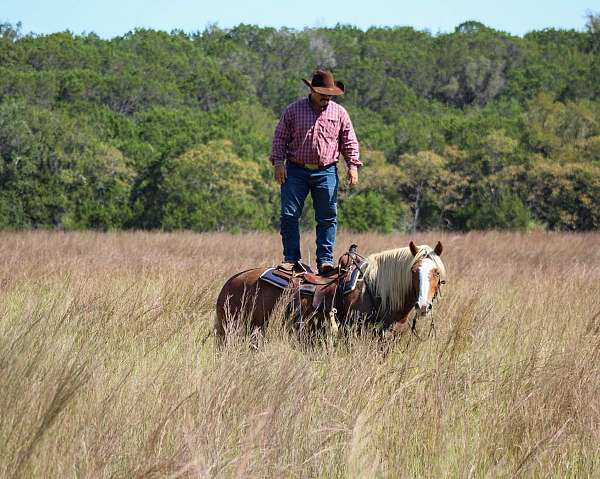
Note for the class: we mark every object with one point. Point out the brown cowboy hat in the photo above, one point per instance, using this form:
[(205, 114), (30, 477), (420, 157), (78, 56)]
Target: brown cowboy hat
[(324, 83)]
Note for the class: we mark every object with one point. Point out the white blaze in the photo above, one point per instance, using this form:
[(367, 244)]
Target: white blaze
[(426, 266)]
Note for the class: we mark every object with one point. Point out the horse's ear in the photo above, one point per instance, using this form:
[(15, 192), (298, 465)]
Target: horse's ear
[(413, 249), (438, 248)]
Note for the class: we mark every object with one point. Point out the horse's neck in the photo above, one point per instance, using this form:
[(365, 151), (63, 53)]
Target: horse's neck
[(387, 316), (394, 317)]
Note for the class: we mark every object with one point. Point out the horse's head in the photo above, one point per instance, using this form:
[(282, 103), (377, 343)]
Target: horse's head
[(428, 274)]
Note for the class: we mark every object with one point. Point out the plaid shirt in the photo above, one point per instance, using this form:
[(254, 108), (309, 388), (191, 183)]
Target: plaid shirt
[(304, 137)]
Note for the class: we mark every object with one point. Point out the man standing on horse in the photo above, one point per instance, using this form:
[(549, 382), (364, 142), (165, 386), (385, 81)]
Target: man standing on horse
[(308, 139)]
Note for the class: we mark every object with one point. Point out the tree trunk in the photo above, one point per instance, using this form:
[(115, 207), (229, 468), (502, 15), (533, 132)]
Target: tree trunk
[(417, 207)]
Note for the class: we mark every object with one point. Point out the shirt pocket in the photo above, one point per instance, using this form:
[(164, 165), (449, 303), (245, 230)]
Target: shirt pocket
[(331, 129)]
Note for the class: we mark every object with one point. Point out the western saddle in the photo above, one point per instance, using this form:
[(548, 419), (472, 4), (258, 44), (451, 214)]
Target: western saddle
[(327, 290)]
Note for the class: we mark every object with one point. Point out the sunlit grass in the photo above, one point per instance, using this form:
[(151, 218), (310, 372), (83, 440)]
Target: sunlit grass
[(107, 368)]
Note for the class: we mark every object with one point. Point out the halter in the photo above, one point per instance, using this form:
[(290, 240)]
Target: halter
[(436, 261), (438, 291)]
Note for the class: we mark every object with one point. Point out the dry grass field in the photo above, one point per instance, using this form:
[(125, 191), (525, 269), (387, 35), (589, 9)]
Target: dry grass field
[(105, 369)]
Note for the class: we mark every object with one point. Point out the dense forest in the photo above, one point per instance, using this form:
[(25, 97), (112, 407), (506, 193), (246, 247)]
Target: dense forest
[(473, 129)]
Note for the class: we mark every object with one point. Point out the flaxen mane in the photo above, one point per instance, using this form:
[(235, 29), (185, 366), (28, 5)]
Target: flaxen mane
[(389, 274)]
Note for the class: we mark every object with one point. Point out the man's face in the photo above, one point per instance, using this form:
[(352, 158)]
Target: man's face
[(320, 99)]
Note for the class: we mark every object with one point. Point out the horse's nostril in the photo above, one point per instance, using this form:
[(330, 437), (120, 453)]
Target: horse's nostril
[(429, 306)]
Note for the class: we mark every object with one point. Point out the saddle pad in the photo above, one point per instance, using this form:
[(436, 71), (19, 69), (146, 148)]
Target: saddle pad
[(270, 277)]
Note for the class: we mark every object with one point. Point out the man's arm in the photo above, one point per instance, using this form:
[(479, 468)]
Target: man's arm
[(350, 149), (281, 140)]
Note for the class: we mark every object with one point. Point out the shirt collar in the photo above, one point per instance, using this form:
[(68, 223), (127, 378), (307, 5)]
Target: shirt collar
[(327, 112)]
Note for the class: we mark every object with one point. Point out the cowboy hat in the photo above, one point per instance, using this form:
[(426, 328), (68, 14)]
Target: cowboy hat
[(324, 83)]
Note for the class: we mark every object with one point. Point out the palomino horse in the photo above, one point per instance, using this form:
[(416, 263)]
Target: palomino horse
[(390, 285)]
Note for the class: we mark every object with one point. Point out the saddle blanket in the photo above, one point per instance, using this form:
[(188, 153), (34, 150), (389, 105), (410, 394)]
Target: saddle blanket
[(270, 277)]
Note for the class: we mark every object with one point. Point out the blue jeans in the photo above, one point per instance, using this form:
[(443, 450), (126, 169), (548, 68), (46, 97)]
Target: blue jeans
[(323, 187)]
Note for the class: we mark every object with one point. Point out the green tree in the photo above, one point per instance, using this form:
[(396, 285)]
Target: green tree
[(427, 177), (473, 63), (371, 211), (211, 188), (495, 209), (54, 173), (563, 197)]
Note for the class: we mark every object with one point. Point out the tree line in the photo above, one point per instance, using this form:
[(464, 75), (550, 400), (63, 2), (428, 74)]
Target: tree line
[(472, 129)]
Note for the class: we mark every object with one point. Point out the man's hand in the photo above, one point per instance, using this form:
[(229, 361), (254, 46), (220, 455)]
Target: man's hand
[(352, 177), (280, 174)]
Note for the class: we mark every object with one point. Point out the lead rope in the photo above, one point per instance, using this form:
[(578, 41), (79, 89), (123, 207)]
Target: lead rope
[(413, 327), (432, 328), (438, 295)]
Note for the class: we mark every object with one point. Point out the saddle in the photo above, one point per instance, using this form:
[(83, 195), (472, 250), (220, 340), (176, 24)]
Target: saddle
[(326, 290)]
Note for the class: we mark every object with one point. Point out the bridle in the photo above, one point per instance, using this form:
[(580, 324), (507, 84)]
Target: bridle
[(441, 280)]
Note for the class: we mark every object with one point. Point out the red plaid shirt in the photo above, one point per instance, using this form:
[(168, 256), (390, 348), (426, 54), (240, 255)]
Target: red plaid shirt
[(304, 137)]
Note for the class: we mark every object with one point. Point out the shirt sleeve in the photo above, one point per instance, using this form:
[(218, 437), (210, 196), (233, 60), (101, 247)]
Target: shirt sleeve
[(349, 143), (281, 139)]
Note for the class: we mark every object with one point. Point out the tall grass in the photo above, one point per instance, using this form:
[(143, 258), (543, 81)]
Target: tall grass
[(107, 370)]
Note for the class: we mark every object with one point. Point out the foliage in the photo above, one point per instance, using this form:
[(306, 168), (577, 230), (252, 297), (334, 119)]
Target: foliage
[(54, 173), (470, 129), (371, 211), (495, 210), (210, 188), (562, 196)]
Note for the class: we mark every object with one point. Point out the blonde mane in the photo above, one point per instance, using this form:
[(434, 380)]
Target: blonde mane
[(389, 274)]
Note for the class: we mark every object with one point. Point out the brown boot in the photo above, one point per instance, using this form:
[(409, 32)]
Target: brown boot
[(325, 268), (287, 266)]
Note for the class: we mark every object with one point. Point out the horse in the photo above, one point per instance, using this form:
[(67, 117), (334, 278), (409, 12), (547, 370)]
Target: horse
[(389, 286)]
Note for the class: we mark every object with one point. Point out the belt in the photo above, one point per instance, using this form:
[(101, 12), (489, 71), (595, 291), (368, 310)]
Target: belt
[(308, 166)]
